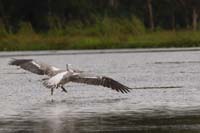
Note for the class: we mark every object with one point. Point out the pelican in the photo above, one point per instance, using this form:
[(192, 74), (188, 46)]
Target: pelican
[(58, 78)]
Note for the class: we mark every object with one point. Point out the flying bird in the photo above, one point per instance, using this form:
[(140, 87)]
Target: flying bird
[(57, 77)]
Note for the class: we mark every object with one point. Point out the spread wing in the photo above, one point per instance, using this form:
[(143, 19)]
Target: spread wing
[(102, 81), (35, 67)]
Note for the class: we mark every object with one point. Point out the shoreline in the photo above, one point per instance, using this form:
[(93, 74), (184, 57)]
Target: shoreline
[(99, 51)]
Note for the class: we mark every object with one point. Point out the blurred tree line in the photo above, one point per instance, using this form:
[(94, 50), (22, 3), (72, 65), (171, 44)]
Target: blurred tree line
[(45, 14)]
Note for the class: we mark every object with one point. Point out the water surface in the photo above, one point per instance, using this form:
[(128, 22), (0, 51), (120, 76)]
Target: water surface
[(26, 106)]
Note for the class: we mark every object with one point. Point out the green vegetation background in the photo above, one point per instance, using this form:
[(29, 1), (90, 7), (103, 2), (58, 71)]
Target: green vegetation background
[(103, 24), (107, 34)]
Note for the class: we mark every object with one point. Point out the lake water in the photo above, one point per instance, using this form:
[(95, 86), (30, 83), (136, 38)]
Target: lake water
[(27, 106)]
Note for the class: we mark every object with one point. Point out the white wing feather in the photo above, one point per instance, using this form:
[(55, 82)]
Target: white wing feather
[(55, 80)]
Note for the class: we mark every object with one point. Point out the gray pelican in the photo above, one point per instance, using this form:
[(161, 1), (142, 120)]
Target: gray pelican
[(58, 77)]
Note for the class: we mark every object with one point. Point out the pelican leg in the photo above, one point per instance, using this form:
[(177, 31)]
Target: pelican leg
[(44, 79), (63, 89), (52, 91)]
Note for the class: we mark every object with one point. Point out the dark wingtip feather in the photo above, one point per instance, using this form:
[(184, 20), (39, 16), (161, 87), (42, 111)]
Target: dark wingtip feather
[(115, 85), (126, 90), (18, 62), (12, 61)]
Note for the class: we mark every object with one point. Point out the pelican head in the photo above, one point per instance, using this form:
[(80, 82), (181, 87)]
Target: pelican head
[(67, 66)]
